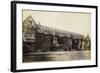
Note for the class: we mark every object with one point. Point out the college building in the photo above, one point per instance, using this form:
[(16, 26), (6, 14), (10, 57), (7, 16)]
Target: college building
[(39, 38)]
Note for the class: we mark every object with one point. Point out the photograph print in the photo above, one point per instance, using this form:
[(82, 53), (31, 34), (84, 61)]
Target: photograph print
[(47, 36), (56, 36)]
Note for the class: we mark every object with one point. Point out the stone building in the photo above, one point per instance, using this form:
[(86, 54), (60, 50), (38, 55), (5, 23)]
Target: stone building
[(38, 38)]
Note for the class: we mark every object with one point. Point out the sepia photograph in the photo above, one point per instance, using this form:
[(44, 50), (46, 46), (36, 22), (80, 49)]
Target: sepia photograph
[(56, 36), (48, 36)]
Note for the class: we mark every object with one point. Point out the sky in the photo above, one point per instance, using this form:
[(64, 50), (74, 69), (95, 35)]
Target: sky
[(68, 21)]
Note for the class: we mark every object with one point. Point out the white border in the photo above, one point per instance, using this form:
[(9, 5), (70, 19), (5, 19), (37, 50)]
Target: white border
[(35, 65)]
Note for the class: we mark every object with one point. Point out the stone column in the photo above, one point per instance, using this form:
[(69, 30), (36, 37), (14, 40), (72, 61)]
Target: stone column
[(83, 42), (70, 44)]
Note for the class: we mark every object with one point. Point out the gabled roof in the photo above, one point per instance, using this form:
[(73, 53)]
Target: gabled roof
[(29, 18), (53, 31)]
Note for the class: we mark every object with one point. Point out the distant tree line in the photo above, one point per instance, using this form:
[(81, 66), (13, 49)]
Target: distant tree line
[(87, 43)]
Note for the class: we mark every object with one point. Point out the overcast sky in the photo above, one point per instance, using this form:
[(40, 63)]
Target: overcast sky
[(69, 21)]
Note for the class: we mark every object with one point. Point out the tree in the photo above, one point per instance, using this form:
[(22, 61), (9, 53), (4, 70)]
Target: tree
[(87, 45)]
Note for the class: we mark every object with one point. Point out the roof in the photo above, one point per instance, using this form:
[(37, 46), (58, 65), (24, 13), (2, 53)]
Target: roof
[(53, 31)]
